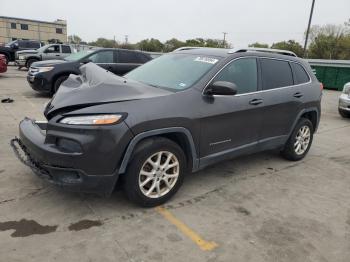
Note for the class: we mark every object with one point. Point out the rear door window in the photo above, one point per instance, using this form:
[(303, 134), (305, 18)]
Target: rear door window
[(33, 45), (128, 57), (300, 75), (22, 44), (243, 73), (275, 73), (66, 49)]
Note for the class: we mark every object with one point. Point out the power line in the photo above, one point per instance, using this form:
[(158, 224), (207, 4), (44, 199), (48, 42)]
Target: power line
[(224, 42), (308, 27)]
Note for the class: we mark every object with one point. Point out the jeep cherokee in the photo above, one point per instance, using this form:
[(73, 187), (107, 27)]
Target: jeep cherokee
[(175, 114)]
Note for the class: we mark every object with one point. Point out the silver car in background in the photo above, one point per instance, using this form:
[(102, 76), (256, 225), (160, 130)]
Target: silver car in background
[(344, 101)]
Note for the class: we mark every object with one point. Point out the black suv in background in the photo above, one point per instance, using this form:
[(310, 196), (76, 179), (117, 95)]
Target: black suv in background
[(176, 114), (10, 49), (47, 76)]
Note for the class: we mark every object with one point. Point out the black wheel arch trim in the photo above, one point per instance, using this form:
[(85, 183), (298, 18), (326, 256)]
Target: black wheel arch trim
[(155, 132), (303, 111)]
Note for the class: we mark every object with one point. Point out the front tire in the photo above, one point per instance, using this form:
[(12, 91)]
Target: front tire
[(155, 172), (299, 143), (344, 113), (30, 62), (58, 83)]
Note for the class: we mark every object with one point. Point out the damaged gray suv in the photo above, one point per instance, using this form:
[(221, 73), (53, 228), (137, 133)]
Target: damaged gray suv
[(176, 114)]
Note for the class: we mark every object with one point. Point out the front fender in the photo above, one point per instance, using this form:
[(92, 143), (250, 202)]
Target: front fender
[(155, 132)]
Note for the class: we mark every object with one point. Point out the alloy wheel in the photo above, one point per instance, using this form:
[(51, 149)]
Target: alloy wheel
[(302, 140), (159, 174)]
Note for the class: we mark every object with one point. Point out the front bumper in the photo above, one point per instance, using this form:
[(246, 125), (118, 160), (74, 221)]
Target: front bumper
[(85, 170), (344, 102), (39, 83), (21, 63)]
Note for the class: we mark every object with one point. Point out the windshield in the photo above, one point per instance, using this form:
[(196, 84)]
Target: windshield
[(42, 49), (11, 43), (77, 56), (173, 71)]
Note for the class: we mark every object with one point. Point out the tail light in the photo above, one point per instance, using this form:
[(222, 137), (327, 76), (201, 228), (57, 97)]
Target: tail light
[(321, 86)]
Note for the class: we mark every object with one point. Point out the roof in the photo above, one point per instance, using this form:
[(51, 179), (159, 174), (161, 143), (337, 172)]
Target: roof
[(36, 21), (264, 50), (222, 52)]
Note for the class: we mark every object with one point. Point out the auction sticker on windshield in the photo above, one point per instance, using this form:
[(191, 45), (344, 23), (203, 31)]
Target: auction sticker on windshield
[(204, 59)]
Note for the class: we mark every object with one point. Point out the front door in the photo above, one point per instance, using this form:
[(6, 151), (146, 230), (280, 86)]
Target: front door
[(232, 123), (52, 52)]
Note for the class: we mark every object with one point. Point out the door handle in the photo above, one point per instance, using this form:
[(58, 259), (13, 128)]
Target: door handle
[(255, 102), (298, 95)]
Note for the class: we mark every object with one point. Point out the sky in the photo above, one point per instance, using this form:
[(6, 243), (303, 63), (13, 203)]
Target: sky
[(249, 21)]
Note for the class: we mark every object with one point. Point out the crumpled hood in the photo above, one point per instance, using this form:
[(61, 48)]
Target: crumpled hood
[(96, 86)]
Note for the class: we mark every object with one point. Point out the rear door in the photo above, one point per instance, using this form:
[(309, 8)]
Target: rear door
[(127, 61), (65, 51), (233, 122), (282, 99)]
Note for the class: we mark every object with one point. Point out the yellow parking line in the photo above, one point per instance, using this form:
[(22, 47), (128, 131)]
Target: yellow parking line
[(204, 245)]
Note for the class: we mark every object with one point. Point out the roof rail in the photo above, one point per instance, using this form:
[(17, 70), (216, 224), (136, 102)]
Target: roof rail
[(187, 48), (266, 50)]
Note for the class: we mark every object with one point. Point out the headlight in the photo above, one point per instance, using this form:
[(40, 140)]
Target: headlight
[(44, 69), (91, 120), (346, 89)]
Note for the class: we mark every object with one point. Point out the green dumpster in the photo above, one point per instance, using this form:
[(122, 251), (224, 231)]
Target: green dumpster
[(332, 73)]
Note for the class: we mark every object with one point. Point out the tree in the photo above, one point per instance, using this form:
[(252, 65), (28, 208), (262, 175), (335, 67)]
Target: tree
[(290, 45), (74, 39), (330, 41), (151, 45), (103, 42), (259, 45), (127, 46), (209, 42), (173, 44)]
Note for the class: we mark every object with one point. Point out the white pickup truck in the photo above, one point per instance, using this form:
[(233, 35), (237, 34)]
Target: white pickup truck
[(48, 52)]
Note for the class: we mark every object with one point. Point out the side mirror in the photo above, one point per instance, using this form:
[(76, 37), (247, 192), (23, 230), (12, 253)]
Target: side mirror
[(14, 46), (86, 60), (222, 88)]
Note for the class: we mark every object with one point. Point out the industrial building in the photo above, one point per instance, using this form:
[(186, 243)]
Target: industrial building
[(12, 28)]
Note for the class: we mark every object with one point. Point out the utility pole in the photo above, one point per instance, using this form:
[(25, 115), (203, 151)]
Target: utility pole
[(224, 42), (126, 39), (308, 27)]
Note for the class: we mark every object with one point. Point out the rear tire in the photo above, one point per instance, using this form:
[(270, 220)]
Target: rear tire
[(30, 62), (7, 59), (58, 83), (299, 142), (155, 172), (344, 113)]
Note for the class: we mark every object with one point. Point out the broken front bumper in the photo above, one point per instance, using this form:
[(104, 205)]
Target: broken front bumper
[(55, 165)]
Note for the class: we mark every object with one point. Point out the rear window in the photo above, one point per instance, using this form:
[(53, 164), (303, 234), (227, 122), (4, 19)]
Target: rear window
[(300, 75), (276, 73)]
